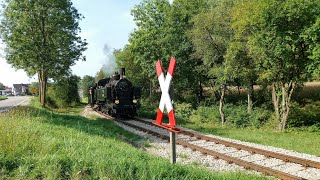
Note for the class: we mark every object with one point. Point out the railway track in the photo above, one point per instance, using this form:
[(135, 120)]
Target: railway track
[(232, 152), (284, 157)]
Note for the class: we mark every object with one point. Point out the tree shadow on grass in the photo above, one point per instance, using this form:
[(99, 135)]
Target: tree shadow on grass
[(103, 127), (99, 126)]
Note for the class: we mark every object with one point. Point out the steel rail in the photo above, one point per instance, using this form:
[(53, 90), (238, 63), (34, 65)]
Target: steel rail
[(284, 157), (229, 159), (217, 155)]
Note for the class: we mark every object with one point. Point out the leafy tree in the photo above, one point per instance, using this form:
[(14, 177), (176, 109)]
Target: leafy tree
[(64, 93), (241, 68), (312, 38), (161, 33), (211, 36), (2, 87), (188, 77), (42, 37), (277, 33), (149, 40), (125, 58), (100, 75), (86, 82)]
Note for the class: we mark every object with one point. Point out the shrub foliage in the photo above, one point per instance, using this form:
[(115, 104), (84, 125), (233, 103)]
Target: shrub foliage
[(64, 93)]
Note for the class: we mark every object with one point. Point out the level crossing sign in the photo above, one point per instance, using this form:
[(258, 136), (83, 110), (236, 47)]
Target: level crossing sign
[(165, 101)]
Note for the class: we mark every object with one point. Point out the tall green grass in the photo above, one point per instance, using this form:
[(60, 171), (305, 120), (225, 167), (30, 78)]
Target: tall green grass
[(38, 144)]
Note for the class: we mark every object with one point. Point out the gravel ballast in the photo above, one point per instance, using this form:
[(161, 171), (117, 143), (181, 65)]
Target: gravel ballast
[(159, 147)]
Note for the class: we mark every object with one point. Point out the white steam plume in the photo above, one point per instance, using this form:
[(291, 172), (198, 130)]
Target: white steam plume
[(110, 60)]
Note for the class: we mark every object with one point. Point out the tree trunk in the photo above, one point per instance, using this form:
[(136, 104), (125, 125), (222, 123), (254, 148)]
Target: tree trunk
[(43, 88), (284, 107), (249, 102), (200, 92), (39, 87), (275, 101), (250, 97), (150, 89), (286, 98), (221, 104)]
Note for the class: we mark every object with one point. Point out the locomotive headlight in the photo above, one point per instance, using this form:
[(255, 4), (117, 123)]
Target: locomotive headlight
[(117, 101), (134, 101)]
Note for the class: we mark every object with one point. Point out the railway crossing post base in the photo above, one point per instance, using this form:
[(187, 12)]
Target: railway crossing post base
[(172, 147), (167, 127)]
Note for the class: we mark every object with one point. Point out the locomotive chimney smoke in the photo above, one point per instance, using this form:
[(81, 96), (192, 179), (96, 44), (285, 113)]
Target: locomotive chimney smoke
[(122, 73), (109, 60)]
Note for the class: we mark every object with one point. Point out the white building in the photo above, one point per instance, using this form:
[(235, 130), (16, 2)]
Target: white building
[(5, 92), (20, 89)]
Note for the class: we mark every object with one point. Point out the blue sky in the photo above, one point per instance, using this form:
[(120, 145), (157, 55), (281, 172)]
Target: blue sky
[(107, 22)]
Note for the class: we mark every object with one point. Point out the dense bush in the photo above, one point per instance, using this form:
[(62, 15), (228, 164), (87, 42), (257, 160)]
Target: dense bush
[(64, 93), (307, 115), (236, 115), (259, 117), (149, 107), (205, 114), (183, 110)]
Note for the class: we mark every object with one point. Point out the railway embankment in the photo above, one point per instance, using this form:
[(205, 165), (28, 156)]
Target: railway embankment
[(218, 153), (207, 120), (37, 143)]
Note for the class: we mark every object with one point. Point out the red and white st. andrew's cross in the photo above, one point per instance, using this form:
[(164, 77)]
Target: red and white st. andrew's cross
[(165, 101)]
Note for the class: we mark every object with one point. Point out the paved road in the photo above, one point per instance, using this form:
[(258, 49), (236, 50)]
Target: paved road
[(12, 101)]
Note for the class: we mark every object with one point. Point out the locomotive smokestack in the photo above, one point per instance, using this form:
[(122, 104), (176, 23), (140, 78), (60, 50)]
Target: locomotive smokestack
[(122, 73)]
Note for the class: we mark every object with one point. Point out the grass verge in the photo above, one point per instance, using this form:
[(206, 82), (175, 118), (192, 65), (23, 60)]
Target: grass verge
[(300, 141), (3, 98), (84, 100), (74, 110), (39, 144)]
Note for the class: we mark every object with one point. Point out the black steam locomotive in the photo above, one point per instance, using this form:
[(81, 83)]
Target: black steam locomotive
[(115, 96)]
